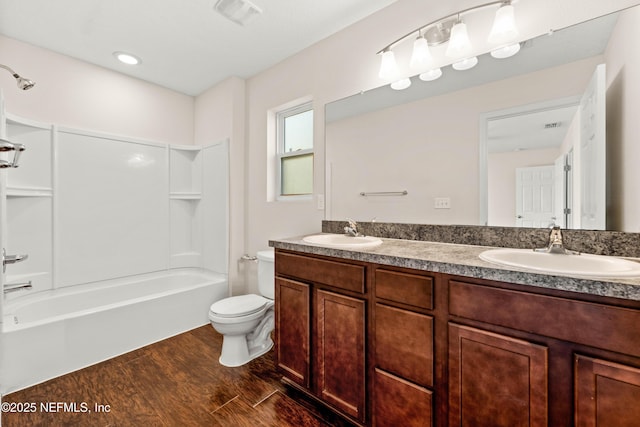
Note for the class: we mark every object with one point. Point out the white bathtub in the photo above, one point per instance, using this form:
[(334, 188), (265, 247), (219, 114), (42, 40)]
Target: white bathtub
[(52, 333)]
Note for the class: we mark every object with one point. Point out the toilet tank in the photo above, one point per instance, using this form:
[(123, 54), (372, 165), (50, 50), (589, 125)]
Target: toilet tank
[(266, 281)]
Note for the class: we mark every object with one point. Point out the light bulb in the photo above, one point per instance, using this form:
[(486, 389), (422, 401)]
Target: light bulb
[(465, 64), (401, 84), (421, 57), (506, 51), (504, 28), (127, 58), (431, 75), (459, 43), (388, 66)]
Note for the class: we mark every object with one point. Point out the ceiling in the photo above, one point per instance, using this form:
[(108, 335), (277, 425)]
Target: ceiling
[(185, 45), (532, 130)]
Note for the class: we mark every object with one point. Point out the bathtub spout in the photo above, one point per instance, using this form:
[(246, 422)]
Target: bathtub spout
[(13, 287)]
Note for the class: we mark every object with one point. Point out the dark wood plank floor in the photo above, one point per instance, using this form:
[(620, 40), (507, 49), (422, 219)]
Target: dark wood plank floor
[(176, 382)]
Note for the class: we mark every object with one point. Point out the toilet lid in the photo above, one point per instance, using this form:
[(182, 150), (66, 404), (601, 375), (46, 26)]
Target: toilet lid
[(241, 305)]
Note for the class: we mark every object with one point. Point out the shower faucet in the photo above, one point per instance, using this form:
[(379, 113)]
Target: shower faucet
[(6, 146), (13, 287), (24, 84), (11, 259)]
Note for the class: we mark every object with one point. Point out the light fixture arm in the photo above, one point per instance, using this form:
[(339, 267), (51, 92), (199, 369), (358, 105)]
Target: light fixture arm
[(444, 18)]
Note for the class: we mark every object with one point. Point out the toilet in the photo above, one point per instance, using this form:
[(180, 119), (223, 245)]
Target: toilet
[(246, 321)]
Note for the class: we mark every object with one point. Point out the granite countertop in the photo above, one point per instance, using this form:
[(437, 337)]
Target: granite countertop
[(463, 260)]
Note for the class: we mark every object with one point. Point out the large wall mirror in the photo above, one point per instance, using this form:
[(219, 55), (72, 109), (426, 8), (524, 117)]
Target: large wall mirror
[(534, 140)]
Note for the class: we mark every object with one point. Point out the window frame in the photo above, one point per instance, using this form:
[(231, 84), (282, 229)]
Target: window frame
[(281, 116)]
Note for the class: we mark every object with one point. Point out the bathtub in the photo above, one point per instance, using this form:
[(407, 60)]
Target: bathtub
[(52, 333)]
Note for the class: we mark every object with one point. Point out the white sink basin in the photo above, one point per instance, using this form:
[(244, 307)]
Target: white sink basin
[(579, 265), (343, 241)]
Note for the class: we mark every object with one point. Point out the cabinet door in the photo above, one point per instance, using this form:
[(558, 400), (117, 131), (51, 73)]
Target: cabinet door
[(495, 380), (340, 352), (607, 394), (293, 330), (398, 402)]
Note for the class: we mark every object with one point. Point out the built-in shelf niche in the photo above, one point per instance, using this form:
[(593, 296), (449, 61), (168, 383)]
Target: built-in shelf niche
[(29, 205), (185, 194), (185, 166), (33, 175)]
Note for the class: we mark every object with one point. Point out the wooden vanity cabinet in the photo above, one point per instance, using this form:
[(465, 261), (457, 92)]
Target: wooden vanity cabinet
[(320, 330), (389, 346), (525, 357)]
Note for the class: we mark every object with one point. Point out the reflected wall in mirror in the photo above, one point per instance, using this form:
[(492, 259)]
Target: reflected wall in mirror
[(432, 141)]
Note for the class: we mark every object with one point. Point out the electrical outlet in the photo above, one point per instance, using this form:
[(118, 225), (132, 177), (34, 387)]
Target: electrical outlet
[(442, 203), (320, 202)]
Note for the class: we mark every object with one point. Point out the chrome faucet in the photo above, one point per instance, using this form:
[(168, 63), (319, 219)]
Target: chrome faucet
[(352, 228), (556, 245), (13, 287)]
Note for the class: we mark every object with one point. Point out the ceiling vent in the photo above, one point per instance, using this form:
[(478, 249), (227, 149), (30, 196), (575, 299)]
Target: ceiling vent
[(239, 11), (552, 125)]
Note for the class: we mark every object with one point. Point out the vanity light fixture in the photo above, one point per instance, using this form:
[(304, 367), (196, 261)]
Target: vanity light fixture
[(388, 67), (451, 29), (421, 57), (127, 58), (459, 43)]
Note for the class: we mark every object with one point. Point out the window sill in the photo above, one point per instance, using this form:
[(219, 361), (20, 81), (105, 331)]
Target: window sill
[(298, 198)]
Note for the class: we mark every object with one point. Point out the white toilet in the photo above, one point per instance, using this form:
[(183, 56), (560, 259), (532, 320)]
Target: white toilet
[(246, 321)]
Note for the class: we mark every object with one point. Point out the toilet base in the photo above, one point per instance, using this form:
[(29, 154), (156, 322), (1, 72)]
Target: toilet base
[(235, 351)]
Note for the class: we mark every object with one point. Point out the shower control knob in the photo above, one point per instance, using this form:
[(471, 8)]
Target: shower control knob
[(11, 259)]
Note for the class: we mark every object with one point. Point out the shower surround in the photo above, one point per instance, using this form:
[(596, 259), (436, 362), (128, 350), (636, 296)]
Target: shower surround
[(127, 239)]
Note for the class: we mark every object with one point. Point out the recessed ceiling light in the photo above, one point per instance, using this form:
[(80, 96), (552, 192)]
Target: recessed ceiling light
[(127, 58)]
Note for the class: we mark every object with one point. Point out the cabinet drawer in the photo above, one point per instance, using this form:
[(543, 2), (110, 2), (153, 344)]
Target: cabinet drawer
[(410, 289), (404, 344), (332, 273), (597, 325)]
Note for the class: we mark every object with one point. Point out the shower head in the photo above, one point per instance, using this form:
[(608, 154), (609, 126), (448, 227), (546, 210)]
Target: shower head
[(23, 83)]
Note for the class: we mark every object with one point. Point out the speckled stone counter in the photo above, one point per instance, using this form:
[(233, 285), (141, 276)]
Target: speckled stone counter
[(463, 260), (597, 242)]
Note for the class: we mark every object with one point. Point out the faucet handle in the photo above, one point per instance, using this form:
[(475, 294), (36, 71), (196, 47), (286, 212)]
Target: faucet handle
[(352, 223)]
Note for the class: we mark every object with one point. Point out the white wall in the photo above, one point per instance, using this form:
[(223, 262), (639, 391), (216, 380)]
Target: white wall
[(430, 148), (623, 126), (76, 94), (220, 114)]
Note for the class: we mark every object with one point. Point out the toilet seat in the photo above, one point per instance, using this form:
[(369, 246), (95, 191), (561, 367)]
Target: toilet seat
[(239, 306)]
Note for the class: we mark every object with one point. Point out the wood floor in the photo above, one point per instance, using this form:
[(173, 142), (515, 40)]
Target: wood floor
[(176, 382)]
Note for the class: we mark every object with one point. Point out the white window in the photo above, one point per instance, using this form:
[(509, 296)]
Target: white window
[(295, 150)]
